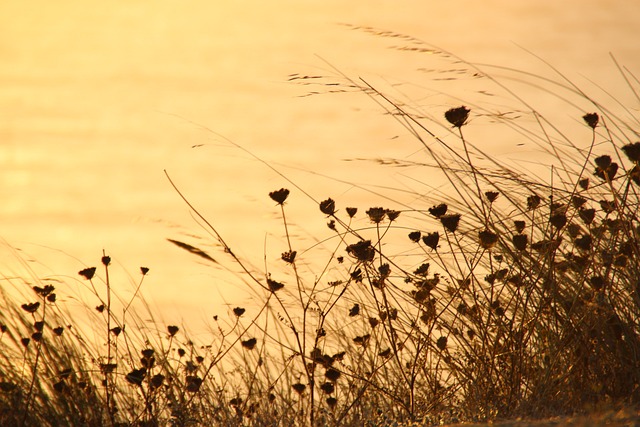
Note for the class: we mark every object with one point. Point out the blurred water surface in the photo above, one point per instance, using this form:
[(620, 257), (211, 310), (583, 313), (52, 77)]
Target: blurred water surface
[(97, 99)]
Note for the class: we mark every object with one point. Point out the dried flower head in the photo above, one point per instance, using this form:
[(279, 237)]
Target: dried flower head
[(238, 311), (362, 340), (584, 183), (558, 220), (422, 270), (356, 275), (632, 151), (332, 374), (298, 388), (173, 330), (488, 239), (376, 215), (533, 201), (328, 207), (603, 162), (414, 236), (274, 285), (87, 273), (352, 212), (289, 256), (144, 270), (355, 310), (491, 196), (591, 119), (587, 215), (431, 240), (450, 222), (193, 383), (392, 215), (327, 388), (574, 230), (578, 201), (605, 168), (442, 342), (31, 307), (157, 380), (384, 270), (279, 196), (634, 174), (607, 206), (438, 210), (584, 242), (520, 241), (43, 291), (457, 116), (136, 376), (608, 173), (249, 344), (520, 225), (362, 251)]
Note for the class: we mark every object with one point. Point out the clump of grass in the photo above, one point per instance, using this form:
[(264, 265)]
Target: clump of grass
[(518, 296), (510, 296)]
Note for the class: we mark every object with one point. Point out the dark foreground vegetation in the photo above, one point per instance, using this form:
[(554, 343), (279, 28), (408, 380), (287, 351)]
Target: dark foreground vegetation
[(512, 297)]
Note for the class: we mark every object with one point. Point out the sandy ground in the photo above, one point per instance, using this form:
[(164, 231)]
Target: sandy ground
[(617, 418)]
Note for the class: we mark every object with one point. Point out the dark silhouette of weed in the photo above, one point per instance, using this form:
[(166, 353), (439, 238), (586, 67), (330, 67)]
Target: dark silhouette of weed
[(510, 296)]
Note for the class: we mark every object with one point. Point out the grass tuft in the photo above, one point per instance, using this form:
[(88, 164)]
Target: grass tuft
[(513, 297)]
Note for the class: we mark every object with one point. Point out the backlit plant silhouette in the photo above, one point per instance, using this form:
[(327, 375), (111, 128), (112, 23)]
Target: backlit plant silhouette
[(509, 296)]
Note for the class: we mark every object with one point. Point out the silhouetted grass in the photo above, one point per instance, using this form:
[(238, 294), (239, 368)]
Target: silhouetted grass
[(512, 296)]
